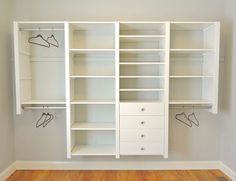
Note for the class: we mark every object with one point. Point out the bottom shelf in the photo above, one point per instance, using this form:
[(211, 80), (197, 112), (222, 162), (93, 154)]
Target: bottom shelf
[(105, 150)]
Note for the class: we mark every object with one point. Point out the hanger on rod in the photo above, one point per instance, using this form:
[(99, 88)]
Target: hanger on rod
[(183, 118), (189, 119), (193, 118), (41, 41), (53, 41), (45, 119)]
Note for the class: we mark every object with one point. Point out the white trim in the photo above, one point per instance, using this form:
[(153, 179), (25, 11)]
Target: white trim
[(228, 171), (123, 165), (7, 172)]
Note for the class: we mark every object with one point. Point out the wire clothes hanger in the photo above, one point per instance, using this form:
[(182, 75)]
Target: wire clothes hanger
[(45, 119), (36, 41), (193, 118), (41, 41), (53, 41), (186, 120)]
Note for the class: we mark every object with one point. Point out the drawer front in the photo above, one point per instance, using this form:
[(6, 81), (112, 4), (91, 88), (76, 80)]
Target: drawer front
[(142, 135), (141, 109), (141, 122), (141, 148)]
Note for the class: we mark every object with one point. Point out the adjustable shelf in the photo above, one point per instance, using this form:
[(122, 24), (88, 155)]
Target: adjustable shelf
[(103, 126), (91, 76), (142, 63), (94, 150), (190, 102), (92, 102)]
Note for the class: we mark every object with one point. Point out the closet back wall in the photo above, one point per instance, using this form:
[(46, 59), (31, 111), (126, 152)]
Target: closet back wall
[(50, 143)]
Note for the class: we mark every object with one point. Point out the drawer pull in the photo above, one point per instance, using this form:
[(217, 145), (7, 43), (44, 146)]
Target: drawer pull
[(142, 122), (142, 149), (143, 109), (142, 135)]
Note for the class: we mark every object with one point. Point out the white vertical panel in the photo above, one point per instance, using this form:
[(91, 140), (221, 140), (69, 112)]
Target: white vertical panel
[(166, 100), (17, 68), (67, 83), (217, 60), (117, 87)]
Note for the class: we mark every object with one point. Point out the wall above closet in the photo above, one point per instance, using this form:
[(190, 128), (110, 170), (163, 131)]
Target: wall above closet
[(116, 80)]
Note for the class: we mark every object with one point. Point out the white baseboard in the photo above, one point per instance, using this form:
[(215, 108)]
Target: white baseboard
[(120, 165), (228, 171), (7, 172)]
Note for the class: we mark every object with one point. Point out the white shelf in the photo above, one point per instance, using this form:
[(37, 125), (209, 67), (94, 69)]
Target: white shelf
[(128, 76), (90, 50), (191, 76), (142, 63), (93, 126), (37, 102), (142, 50), (140, 101), (91, 76), (148, 90), (191, 51), (142, 36), (190, 102), (94, 150), (92, 102)]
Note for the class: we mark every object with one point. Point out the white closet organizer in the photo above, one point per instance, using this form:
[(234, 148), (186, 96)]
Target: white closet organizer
[(117, 79), (39, 71)]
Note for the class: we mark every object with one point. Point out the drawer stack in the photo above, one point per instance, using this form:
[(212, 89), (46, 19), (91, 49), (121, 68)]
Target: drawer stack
[(141, 128)]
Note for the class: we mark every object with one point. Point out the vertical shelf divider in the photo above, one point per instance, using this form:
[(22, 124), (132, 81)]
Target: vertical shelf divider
[(67, 77), (166, 99), (117, 86)]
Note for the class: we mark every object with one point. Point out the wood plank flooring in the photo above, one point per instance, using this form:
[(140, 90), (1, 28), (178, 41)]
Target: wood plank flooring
[(107, 175)]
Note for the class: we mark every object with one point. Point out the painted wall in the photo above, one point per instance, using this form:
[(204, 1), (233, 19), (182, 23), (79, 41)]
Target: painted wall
[(7, 155), (228, 116), (50, 143)]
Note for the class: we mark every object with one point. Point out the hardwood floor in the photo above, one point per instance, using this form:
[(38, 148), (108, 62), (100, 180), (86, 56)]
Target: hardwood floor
[(107, 175)]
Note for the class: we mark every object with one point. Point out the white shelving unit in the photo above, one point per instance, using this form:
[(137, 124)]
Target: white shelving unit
[(116, 80), (194, 63)]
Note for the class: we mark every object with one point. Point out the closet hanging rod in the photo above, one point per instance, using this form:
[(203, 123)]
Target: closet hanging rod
[(41, 107), (40, 29), (191, 106)]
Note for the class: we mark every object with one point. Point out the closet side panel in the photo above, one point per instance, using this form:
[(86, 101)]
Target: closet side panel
[(17, 68)]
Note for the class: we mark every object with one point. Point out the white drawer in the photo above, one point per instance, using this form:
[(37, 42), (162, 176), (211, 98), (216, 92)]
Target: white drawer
[(141, 108), (141, 122), (141, 135), (141, 148)]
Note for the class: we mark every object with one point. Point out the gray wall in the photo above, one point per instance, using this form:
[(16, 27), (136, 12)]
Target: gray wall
[(50, 143), (7, 155), (228, 116)]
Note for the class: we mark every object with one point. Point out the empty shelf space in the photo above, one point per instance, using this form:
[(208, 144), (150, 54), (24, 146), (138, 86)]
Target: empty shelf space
[(190, 51), (92, 102), (142, 63), (127, 90), (142, 76), (191, 102), (141, 36), (91, 50), (191, 76), (91, 76), (142, 50), (93, 150), (93, 126)]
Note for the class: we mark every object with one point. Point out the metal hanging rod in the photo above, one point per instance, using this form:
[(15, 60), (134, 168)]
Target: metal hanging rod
[(42, 107), (191, 106), (40, 29)]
